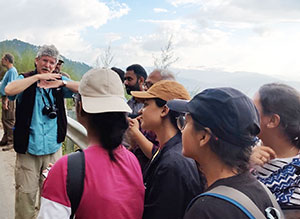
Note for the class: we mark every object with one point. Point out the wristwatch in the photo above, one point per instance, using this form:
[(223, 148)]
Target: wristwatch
[(64, 83)]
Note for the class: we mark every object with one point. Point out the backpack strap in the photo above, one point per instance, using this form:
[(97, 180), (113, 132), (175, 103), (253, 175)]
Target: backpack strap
[(272, 198), (235, 197), (240, 200), (75, 179)]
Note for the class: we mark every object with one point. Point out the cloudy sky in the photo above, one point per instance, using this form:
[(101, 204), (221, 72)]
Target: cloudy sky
[(232, 35)]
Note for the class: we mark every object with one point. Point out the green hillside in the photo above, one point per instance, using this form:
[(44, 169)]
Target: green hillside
[(24, 59)]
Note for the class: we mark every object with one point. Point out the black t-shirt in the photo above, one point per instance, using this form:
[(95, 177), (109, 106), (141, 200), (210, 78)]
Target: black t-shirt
[(171, 181), (212, 207)]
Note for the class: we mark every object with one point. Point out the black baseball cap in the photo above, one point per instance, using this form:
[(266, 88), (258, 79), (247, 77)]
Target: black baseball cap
[(230, 114)]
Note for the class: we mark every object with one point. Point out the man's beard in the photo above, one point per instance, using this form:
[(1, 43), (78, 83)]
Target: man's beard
[(135, 87)]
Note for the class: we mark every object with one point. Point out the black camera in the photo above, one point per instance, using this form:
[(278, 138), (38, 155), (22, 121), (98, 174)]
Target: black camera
[(50, 111)]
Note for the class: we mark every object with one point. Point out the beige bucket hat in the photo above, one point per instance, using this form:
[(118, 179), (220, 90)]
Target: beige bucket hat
[(101, 91)]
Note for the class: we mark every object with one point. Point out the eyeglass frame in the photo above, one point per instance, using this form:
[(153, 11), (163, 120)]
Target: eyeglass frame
[(178, 123), (181, 127), (148, 84)]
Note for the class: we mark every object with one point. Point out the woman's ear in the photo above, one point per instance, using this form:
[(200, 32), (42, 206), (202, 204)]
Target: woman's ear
[(165, 111), (204, 137), (274, 121)]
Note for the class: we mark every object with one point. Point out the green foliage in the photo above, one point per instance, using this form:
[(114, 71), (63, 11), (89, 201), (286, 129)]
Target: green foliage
[(71, 72), (25, 61), (69, 104), (24, 57), (127, 96), (67, 147)]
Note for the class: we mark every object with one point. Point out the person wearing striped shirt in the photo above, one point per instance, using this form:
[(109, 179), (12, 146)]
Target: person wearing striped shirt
[(278, 161)]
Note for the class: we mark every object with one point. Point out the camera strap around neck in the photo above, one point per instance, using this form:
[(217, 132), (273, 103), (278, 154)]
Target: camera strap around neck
[(47, 96)]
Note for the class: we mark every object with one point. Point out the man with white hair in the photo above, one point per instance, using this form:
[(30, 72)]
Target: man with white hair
[(158, 75), (40, 126)]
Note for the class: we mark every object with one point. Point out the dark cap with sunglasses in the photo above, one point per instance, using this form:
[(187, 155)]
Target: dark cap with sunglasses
[(227, 112)]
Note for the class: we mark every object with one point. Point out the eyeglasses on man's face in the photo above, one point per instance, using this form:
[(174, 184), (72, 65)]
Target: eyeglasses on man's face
[(148, 84)]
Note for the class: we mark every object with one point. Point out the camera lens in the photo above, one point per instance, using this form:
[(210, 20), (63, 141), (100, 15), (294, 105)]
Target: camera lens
[(52, 115), (50, 111), (46, 110)]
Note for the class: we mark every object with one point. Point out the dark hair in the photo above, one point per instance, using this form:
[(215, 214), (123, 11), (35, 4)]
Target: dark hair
[(172, 114), (110, 127), (138, 70), (234, 156), (283, 100), (9, 57), (120, 72)]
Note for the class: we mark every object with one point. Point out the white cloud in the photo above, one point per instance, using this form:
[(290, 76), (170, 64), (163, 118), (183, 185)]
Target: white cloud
[(244, 11), (58, 22), (177, 3), (118, 9), (186, 33), (273, 54), (132, 52), (233, 35), (160, 10), (270, 49), (111, 37)]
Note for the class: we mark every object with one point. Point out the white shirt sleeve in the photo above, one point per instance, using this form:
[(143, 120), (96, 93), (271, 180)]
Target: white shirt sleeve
[(50, 209)]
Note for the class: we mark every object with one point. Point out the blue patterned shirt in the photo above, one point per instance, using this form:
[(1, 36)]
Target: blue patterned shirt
[(281, 176)]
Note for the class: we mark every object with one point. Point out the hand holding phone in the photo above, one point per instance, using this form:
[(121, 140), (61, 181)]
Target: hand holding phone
[(46, 171)]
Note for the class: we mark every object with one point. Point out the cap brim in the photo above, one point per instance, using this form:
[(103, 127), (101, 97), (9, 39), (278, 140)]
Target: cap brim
[(104, 104), (142, 94), (178, 105)]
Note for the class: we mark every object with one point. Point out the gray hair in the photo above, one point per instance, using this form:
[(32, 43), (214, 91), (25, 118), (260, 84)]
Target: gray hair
[(166, 74), (47, 50)]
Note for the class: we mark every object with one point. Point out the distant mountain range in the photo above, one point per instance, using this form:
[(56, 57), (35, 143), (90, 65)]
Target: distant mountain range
[(248, 82), (20, 48), (194, 80)]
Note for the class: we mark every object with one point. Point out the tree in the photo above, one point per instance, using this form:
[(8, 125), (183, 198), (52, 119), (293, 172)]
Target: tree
[(106, 58), (167, 56)]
